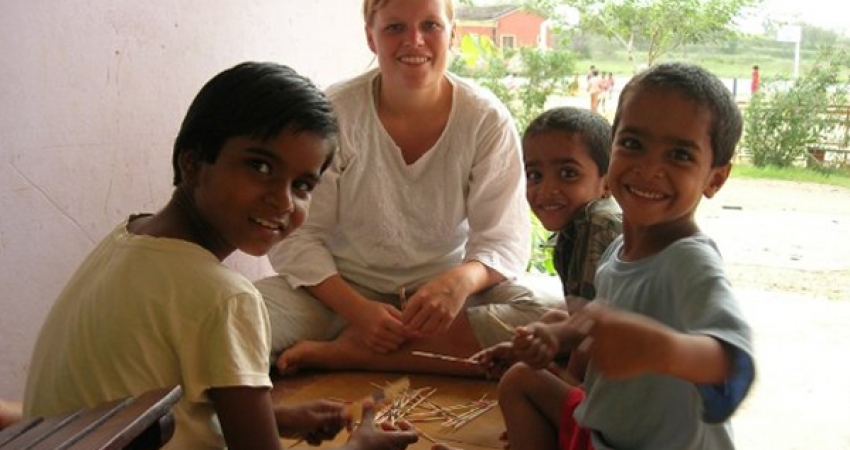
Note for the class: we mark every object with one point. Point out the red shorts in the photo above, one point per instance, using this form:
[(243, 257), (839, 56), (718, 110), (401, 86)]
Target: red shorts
[(570, 435)]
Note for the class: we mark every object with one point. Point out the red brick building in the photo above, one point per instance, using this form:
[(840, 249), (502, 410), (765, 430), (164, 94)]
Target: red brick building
[(508, 26)]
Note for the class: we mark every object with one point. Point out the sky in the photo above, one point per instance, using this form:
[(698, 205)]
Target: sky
[(823, 13)]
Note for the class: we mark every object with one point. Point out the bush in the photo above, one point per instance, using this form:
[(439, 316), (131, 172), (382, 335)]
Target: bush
[(522, 78), (787, 117)]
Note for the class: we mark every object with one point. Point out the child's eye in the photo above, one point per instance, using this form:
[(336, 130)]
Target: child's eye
[(533, 176), (681, 154), (304, 187), (260, 166), (629, 143), (568, 173)]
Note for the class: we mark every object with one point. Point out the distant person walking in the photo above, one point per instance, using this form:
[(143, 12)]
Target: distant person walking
[(754, 80), (591, 72), (595, 86), (609, 85)]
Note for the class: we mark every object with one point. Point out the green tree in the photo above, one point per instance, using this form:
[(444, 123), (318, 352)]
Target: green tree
[(657, 26), (522, 78), (788, 117)]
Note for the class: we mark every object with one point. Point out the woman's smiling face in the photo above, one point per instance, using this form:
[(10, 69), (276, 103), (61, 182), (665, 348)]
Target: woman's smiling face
[(411, 39)]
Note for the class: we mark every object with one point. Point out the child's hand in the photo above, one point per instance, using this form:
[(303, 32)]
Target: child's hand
[(379, 327), (434, 306), (495, 360), (555, 315), (367, 437), (622, 344), (536, 345), (315, 421)]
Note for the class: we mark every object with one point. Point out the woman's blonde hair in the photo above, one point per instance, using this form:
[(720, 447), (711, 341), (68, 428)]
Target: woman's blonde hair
[(370, 7)]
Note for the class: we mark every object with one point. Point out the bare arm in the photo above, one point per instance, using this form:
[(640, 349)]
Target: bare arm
[(436, 304), (624, 344), (697, 358), (379, 325), (247, 417)]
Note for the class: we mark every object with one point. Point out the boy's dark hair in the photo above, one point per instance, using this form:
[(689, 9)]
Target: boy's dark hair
[(256, 100), (701, 86), (593, 129)]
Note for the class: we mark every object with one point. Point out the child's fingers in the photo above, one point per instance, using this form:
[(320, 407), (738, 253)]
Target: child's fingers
[(585, 344)]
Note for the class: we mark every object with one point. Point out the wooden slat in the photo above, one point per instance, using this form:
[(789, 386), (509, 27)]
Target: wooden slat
[(83, 423), (110, 426), (42, 430), (122, 428), (16, 430)]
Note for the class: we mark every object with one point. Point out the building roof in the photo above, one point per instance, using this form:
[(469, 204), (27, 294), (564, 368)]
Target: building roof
[(485, 13)]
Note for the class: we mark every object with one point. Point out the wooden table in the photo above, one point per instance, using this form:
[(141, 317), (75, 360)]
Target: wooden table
[(479, 434)]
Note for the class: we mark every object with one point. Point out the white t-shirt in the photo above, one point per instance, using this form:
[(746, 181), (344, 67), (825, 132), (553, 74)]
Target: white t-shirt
[(382, 223), (142, 313)]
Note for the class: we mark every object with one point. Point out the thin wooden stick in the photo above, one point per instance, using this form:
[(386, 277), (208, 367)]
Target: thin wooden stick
[(442, 357), (501, 323)]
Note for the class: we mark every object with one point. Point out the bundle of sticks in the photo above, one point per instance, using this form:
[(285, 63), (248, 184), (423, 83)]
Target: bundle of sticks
[(415, 406)]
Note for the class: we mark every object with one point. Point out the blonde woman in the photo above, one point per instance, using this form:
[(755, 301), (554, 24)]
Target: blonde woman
[(420, 224)]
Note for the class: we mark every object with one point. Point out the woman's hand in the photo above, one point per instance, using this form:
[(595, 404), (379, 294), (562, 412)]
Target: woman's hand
[(434, 306), (379, 326), (314, 421)]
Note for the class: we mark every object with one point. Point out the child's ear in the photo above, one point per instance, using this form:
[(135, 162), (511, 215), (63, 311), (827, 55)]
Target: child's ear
[(606, 190), (717, 179), (188, 164)]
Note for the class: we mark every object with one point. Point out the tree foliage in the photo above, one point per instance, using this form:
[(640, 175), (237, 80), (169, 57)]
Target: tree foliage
[(788, 117), (655, 26), (522, 78)]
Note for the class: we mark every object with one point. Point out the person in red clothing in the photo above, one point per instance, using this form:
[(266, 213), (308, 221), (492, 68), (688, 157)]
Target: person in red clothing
[(754, 80)]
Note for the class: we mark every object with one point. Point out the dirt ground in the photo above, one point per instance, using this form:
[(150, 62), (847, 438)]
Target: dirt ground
[(787, 250)]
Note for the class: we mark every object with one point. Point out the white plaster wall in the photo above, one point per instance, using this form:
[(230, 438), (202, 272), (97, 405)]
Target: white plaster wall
[(92, 93)]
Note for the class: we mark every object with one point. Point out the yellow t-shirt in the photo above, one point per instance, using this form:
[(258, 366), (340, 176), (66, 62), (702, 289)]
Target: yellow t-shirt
[(142, 313)]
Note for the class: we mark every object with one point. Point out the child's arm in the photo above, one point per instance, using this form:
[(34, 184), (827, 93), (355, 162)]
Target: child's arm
[(247, 417), (537, 343), (249, 420), (576, 368), (624, 344)]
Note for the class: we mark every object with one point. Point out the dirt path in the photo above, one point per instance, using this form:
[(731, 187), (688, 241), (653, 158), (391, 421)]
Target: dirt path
[(787, 249)]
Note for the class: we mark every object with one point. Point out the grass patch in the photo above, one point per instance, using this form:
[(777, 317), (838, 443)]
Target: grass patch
[(834, 178)]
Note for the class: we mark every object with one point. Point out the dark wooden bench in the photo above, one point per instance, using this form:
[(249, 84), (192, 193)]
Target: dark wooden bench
[(137, 423)]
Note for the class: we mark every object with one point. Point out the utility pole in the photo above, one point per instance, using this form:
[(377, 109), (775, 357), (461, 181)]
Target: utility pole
[(794, 34)]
